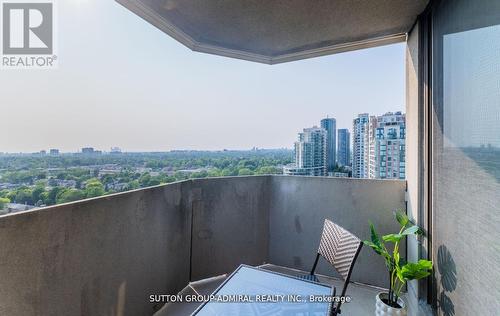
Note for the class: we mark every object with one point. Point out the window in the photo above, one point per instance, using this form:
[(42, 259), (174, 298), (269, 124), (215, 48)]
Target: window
[(466, 152), (391, 133)]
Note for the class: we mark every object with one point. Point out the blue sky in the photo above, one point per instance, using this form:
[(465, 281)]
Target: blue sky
[(121, 82)]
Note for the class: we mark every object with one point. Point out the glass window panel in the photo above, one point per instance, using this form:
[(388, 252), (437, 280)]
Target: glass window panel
[(466, 155)]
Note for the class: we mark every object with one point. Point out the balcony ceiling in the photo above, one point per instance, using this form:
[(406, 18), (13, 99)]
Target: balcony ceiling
[(275, 31)]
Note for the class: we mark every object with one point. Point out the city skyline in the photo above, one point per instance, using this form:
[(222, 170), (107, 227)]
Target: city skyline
[(378, 148), (178, 99), (325, 123)]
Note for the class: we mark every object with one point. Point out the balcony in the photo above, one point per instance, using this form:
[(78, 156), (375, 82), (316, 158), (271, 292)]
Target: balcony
[(106, 256)]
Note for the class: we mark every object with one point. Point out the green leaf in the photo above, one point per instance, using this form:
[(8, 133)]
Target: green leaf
[(397, 260), (415, 271), (380, 250), (375, 247), (376, 244), (412, 230), (392, 237), (399, 273), (397, 237), (374, 236), (402, 218), (389, 263), (425, 264)]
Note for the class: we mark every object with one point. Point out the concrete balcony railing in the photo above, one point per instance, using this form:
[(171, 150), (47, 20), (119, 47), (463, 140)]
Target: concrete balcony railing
[(106, 256)]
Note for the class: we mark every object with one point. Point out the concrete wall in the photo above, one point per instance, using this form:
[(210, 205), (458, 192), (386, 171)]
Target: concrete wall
[(102, 256), (230, 224), (105, 256), (299, 206)]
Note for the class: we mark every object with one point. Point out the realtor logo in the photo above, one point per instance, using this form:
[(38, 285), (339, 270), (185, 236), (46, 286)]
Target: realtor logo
[(28, 34)]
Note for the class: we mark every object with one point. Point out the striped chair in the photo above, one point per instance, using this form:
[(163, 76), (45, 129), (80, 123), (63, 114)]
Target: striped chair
[(341, 249)]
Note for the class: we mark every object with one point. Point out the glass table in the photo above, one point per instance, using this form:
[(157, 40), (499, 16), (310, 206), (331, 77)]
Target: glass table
[(251, 291)]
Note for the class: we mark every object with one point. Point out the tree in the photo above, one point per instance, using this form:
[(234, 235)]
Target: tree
[(212, 173), (94, 188), (107, 179), (36, 194), (245, 172), (52, 196), (69, 195), (228, 172), (3, 203), (198, 175), (180, 176), (269, 170), (250, 164), (22, 196), (144, 180), (133, 185), (45, 198), (153, 181), (170, 179)]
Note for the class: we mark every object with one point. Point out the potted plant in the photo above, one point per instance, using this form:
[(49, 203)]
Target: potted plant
[(400, 271)]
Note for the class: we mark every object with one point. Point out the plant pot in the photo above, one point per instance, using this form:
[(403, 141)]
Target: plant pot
[(382, 309)]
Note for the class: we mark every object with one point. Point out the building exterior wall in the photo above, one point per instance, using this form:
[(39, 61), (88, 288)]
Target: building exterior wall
[(360, 141), (310, 154), (330, 125), (387, 134), (344, 147)]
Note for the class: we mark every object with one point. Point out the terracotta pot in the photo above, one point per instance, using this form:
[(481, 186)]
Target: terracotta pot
[(382, 309)]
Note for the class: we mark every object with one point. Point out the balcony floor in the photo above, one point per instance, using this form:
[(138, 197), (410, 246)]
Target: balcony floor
[(363, 296)]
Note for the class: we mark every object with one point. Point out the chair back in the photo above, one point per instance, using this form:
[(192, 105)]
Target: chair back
[(339, 247)]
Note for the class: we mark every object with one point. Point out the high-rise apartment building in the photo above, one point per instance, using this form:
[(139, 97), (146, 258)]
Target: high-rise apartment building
[(387, 135), (310, 153), (330, 125), (87, 150), (344, 147), (360, 140)]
